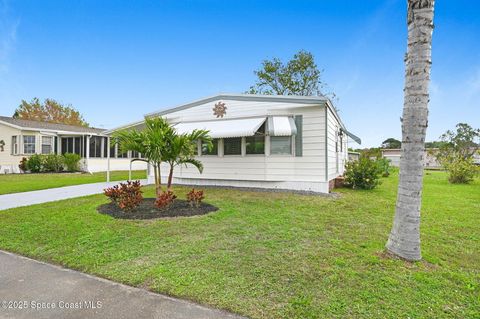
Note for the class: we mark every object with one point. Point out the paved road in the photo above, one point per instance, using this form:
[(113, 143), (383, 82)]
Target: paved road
[(44, 285), (53, 194)]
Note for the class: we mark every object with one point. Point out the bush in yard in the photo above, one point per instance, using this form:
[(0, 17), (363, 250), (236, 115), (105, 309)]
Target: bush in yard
[(52, 163), (72, 162), (384, 166), (126, 196), (23, 164), (461, 170), (113, 193), (363, 174), (195, 198), (34, 163), (165, 199)]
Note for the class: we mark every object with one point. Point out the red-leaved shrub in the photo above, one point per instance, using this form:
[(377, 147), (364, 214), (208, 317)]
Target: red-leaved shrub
[(23, 165), (195, 198), (113, 193), (165, 199), (126, 195)]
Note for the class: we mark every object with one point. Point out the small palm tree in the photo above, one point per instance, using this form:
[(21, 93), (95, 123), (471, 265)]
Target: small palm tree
[(159, 142), (151, 143), (180, 150)]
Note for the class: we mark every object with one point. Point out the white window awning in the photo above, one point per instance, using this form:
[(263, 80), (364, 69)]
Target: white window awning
[(281, 126), (224, 128)]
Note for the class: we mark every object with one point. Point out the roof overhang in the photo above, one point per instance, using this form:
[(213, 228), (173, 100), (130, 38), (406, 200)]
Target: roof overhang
[(307, 100)]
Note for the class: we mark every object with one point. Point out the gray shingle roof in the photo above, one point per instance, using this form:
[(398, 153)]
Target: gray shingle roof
[(50, 126)]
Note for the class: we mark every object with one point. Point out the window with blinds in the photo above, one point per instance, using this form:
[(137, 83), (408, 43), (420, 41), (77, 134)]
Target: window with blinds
[(232, 146)]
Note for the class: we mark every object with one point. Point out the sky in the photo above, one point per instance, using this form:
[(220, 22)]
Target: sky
[(118, 60)]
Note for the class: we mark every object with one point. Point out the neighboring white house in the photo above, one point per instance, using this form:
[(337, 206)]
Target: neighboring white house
[(22, 138), (284, 142), (429, 157)]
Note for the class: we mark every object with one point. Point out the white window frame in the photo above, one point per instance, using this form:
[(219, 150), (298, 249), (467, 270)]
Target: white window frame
[(34, 144), (292, 146), (15, 144), (242, 146), (52, 140), (219, 142)]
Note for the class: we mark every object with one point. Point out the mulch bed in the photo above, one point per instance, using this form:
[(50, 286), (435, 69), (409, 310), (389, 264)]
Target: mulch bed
[(147, 210)]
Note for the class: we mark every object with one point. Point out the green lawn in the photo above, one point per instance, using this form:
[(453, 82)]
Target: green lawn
[(15, 183), (275, 255)]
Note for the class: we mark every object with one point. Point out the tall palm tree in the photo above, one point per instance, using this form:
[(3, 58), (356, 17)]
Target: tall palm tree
[(150, 142), (180, 150), (404, 239)]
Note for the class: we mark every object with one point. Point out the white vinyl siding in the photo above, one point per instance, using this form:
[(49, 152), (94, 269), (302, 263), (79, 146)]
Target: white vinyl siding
[(310, 167), (337, 150)]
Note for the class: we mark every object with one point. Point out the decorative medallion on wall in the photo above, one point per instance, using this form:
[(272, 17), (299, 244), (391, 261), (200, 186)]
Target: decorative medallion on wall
[(220, 109)]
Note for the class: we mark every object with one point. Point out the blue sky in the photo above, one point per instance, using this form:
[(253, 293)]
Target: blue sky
[(117, 60)]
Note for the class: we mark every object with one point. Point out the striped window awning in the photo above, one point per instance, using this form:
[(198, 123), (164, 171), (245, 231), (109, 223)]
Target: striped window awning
[(281, 126), (224, 128)]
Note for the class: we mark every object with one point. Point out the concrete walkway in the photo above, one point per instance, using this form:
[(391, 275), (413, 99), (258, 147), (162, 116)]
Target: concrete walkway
[(48, 291), (53, 194)]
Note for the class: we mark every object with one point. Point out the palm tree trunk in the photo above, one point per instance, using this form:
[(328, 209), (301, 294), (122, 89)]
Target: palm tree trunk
[(404, 239), (170, 177), (155, 173), (158, 184)]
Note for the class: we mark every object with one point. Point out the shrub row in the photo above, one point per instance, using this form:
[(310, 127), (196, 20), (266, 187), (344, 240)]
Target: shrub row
[(50, 163)]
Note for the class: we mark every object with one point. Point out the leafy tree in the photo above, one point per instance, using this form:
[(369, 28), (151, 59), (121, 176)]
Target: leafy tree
[(434, 144), (391, 143), (299, 76), (404, 239), (373, 152), (456, 153), (49, 111), (464, 143)]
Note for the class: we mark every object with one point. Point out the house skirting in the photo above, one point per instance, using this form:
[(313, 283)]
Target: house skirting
[(318, 187)]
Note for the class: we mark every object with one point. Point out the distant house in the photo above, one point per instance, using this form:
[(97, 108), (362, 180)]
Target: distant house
[(429, 159), (393, 155), (284, 142), (353, 156), (22, 138)]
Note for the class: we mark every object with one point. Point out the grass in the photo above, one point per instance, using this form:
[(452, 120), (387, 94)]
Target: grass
[(275, 255), (16, 183)]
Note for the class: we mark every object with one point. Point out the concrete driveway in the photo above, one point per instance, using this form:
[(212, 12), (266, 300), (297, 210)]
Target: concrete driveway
[(32, 289), (54, 194)]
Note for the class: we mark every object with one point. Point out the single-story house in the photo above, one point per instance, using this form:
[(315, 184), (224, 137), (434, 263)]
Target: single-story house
[(21, 138), (429, 158), (263, 141), (353, 156)]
